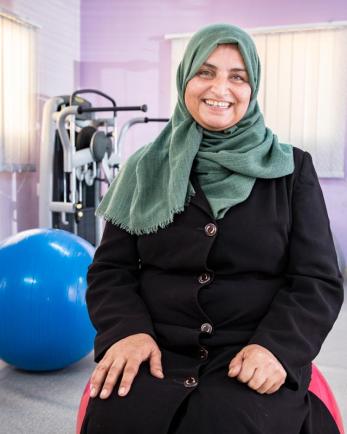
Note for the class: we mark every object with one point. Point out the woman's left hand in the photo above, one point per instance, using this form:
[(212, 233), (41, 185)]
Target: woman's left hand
[(259, 368)]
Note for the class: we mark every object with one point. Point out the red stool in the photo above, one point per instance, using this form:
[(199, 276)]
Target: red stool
[(82, 408), (318, 386)]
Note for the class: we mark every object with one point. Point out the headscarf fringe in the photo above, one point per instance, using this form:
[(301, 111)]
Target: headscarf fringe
[(145, 230)]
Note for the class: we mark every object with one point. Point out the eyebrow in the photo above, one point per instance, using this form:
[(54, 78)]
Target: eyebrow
[(209, 65)]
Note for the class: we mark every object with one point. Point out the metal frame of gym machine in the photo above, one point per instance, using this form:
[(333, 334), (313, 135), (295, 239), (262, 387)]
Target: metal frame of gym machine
[(79, 152)]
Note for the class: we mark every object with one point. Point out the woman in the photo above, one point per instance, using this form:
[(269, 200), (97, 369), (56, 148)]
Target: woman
[(216, 280)]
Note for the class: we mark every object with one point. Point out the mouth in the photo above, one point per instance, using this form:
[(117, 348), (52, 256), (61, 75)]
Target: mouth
[(217, 104)]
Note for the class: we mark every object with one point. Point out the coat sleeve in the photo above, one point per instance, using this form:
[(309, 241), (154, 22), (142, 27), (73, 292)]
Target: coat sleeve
[(301, 316), (115, 306)]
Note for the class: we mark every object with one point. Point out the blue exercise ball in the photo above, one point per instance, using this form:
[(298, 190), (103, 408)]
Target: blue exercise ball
[(44, 322)]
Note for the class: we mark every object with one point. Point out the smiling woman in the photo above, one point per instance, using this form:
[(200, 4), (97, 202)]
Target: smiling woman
[(218, 95), (216, 266)]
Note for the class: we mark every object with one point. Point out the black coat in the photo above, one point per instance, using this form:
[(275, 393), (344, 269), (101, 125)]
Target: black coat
[(266, 273)]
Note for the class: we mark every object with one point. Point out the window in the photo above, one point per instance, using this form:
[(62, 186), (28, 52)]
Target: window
[(17, 94), (303, 92)]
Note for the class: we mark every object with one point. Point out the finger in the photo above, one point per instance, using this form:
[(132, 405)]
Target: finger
[(98, 376), (276, 375), (280, 373), (266, 386), (130, 371), (235, 365), (155, 365), (274, 388), (247, 371), (278, 382), (112, 377), (257, 380)]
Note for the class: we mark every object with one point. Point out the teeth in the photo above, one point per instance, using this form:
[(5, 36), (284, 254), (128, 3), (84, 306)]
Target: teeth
[(217, 103)]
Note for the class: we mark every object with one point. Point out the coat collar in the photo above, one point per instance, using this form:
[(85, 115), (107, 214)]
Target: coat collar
[(200, 200)]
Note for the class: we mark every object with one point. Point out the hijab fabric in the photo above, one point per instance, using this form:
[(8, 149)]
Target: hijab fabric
[(153, 185)]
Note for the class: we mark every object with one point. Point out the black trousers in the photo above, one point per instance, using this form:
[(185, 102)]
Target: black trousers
[(218, 405)]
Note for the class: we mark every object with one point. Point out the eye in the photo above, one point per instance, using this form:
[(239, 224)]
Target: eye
[(237, 77), (204, 73)]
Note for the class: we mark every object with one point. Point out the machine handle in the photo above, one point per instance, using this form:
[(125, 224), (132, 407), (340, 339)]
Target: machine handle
[(82, 109), (156, 119), (97, 92)]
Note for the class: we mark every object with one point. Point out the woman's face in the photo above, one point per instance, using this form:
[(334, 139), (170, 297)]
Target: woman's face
[(218, 95)]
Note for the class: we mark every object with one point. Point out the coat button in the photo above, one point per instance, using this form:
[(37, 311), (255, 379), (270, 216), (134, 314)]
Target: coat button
[(210, 229), (203, 352), (190, 382), (206, 328), (204, 278)]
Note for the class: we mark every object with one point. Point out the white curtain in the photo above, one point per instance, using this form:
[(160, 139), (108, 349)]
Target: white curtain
[(303, 92), (18, 79)]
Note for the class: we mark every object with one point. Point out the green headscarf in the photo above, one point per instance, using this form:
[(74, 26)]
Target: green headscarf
[(153, 185)]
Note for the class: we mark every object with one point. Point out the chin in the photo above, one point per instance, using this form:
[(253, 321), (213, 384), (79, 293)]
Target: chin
[(217, 127)]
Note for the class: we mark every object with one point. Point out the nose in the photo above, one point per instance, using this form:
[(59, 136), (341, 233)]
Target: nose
[(220, 86)]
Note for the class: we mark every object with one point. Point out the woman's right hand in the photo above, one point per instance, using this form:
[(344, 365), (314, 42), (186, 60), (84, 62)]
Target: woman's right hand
[(125, 357)]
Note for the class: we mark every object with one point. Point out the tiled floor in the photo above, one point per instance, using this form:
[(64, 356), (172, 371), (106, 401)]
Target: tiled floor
[(48, 403)]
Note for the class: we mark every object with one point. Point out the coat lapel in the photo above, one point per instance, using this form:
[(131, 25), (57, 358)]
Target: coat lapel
[(200, 199)]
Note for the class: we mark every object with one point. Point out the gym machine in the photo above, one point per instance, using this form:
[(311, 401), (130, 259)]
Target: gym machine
[(79, 152)]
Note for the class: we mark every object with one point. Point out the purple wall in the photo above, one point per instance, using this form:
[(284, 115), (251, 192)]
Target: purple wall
[(124, 53)]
